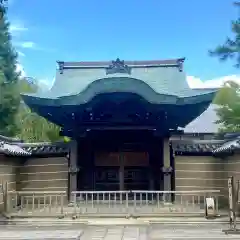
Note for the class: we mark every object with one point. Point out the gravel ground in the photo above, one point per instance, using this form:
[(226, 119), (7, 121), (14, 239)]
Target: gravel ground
[(115, 232)]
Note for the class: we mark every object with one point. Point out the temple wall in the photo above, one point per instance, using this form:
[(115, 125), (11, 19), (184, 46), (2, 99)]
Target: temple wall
[(44, 174), (232, 168), (8, 170), (205, 173), (199, 173)]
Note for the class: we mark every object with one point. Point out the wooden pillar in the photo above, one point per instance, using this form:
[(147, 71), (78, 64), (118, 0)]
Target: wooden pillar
[(151, 180), (121, 171), (167, 167), (73, 166), (86, 164), (153, 165)]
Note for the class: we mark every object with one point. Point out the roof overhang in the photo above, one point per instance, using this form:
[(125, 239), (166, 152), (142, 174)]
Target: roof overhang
[(17, 148), (124, 85)]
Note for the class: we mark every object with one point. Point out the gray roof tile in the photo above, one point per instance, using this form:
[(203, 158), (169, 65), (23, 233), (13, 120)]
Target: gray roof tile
[(163, 80), (228, 147), (16, 147), (181, 147), (13, 150), (205, 123)]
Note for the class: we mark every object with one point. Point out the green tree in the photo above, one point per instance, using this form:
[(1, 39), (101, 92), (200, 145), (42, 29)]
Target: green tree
[(35, 128), (228, 110), (227, 94), (228, 97), (230, 49), (2, 8), (9, 95)]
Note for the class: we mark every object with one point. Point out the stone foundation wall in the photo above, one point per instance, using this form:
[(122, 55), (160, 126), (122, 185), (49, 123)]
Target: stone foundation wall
[(44, 174)]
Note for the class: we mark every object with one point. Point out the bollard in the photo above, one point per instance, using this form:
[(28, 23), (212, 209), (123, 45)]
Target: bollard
[(210, 208), (232, 197)]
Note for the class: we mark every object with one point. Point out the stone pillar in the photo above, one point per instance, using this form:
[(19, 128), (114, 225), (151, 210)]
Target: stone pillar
[(167, 167), (73, 166)]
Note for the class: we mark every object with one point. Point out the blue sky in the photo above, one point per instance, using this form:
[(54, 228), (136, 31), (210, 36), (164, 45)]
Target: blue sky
[(77, 30)]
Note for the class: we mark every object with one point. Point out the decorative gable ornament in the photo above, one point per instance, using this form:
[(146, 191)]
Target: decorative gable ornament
[(60, 66), (180, 64), (118, 66)]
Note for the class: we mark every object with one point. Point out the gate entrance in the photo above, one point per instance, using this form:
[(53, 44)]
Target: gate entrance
[(120, 160), (121, 171)]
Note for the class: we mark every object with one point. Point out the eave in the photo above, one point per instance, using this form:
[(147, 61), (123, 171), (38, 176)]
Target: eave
[(121, 85), (46, 148), (215, 148), (20, 149), (13, 150), (195, 147)]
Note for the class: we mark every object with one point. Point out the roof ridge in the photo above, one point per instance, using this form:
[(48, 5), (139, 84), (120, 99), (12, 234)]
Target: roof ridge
[(174, 61)]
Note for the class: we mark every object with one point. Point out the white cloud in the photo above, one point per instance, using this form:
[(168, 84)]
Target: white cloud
[(33, 46), (26, 44), (21, 53), (45, 84), (195, 82), (20, 69), (17, 28)]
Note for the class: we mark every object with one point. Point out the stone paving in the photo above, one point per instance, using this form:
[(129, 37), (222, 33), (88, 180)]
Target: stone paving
[(41, 234), (116, 232)]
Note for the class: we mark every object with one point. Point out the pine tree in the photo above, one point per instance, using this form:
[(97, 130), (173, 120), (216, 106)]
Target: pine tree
[(228, 110), (9, 93), (34, 128), (231, 48), (2, 8)]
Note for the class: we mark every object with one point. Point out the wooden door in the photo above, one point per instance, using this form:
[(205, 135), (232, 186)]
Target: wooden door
[(106, 172), (121, 171), (136, 165)]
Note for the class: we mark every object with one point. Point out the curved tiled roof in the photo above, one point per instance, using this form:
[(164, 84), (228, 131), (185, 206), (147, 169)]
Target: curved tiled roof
[(13, 149), (16, 147), (159, 83), (149, 78), (46, 148), (182, 147), (210, 147), (228, 147)]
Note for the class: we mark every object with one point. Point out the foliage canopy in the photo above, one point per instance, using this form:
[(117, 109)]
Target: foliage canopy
[(9, 78)]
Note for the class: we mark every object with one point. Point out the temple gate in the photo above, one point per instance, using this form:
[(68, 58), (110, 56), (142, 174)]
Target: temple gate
[(120, 116)]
